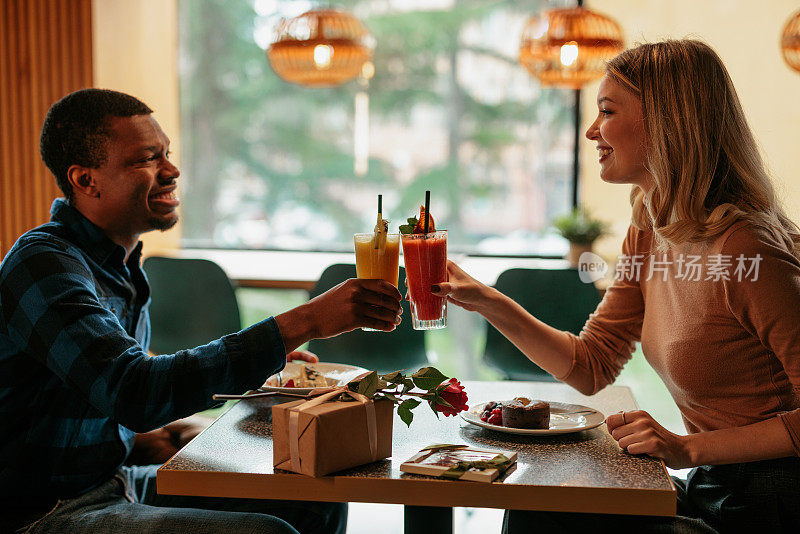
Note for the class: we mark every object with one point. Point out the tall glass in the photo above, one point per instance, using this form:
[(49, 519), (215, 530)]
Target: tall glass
[(426, 264), (377, 263)]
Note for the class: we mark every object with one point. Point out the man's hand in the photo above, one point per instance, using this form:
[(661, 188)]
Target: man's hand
[(352, 304), (161, 444), (355, 303), (303, 356), (638, 433)]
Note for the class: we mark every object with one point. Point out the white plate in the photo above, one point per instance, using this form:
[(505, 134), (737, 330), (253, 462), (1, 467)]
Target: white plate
[(338, 374), (563, 420)]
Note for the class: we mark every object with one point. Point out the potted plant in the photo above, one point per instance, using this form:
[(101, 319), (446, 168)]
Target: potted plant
[(581, 230)]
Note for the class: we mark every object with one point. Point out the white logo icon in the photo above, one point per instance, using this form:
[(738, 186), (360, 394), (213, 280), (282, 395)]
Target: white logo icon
[(591, 267)]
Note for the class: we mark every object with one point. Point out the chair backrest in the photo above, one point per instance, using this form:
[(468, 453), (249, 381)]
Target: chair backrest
[(404, 348), (556, 297), (193, 303)]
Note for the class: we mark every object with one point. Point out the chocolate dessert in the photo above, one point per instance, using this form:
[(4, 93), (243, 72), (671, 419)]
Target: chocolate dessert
[(525, 413)]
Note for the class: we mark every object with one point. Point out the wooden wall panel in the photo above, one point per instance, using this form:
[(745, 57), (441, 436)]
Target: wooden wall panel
[(45, 53)]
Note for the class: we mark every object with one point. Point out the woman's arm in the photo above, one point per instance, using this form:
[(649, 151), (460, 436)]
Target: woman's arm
[(760, 441), (638, 433), (588, 362), (548, 347)]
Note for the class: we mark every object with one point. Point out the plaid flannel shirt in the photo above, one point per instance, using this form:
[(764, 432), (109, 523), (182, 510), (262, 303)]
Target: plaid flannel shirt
[(76, 382)]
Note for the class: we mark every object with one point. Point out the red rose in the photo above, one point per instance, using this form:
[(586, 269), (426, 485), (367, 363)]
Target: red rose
[(454, 397)]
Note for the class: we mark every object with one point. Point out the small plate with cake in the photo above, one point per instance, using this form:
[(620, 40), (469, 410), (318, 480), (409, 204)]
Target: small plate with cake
[(529, 416)]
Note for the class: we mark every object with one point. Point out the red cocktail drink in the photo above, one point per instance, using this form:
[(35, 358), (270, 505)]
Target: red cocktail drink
[(426, 264)]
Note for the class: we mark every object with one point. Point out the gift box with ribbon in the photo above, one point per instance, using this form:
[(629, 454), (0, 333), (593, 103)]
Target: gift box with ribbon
[(325, 434)]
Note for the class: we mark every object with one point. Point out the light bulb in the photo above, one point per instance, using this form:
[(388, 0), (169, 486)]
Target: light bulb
[(322, 56), (569, 53)]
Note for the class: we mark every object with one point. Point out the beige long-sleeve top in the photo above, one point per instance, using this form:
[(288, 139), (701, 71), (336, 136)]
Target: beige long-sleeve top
[(720, 324)]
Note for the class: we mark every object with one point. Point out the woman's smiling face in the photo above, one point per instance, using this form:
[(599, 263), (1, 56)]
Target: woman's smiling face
[(620, 135)]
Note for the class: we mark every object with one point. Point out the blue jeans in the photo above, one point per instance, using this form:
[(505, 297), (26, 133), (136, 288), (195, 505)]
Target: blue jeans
[(128, 503), (761, 497)]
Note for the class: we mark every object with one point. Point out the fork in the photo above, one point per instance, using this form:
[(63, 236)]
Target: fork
[(223, 396)]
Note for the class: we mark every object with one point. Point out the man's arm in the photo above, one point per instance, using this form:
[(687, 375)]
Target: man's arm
[(161, 444), (352, 304), (54, 314)]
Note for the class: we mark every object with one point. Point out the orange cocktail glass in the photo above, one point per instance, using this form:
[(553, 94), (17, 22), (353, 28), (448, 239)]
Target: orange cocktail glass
[(377, 263)]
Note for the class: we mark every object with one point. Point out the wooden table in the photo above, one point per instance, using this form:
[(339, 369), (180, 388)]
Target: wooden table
[(580, 472)]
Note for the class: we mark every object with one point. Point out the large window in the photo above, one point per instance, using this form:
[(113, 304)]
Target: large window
[(270, 165)]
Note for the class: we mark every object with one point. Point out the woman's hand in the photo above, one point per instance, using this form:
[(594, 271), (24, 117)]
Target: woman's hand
[(461, 289), (638, 433), (303, 356)]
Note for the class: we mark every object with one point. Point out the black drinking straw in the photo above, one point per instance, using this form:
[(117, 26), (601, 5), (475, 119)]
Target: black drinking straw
[(427, 209), (380, 216)]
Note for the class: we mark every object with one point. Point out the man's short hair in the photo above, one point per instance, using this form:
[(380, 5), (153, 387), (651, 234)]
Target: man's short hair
[(76, 130)]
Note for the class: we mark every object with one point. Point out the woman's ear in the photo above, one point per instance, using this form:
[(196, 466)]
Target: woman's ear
[(82, 181)]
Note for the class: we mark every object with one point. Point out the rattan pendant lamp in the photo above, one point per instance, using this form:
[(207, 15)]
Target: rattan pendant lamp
[(321, 48), (569, 47), (790, 42)]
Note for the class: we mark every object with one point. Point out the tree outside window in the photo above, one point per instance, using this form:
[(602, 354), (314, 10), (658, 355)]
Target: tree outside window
[(270, 165)]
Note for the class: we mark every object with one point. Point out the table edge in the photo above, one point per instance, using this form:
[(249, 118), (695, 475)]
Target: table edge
[(419, 492)]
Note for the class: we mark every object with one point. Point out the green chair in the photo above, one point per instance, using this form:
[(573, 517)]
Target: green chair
[(193, 303), (556, 297), (404, 348)]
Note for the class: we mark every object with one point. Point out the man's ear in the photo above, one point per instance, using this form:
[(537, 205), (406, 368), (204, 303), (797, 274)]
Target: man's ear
[(82, 180)]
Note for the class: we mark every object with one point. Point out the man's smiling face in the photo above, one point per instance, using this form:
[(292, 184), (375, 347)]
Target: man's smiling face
[(136, 184)]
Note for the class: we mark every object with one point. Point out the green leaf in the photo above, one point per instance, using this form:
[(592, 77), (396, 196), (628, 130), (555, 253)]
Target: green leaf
[(428, 378), (404, 410), (406, 229), (393, 378), (432, 404), (368, 385), (441, 402), (390, 396), (413, 221)]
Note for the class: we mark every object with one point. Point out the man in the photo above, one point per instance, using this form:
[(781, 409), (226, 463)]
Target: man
[(76, 382)]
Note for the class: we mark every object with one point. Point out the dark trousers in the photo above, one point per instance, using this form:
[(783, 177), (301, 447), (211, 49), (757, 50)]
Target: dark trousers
[(129, 503)]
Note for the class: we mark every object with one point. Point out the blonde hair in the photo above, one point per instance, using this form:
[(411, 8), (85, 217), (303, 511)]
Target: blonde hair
[(705, 162)]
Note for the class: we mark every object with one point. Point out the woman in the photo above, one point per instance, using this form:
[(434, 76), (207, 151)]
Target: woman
[(724, 338)]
